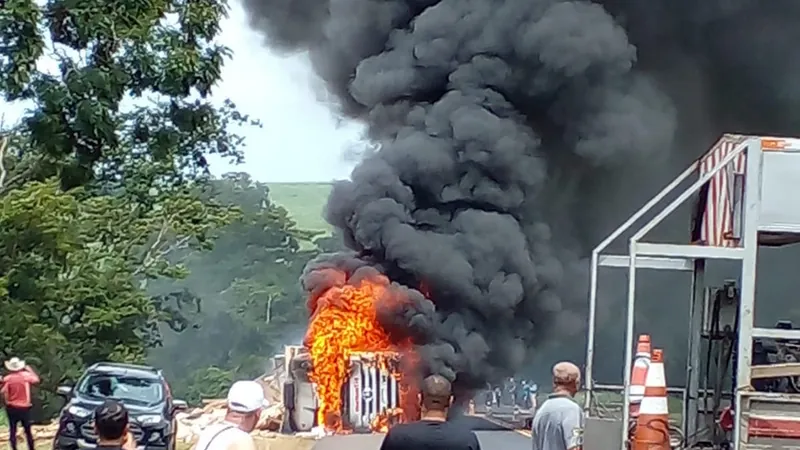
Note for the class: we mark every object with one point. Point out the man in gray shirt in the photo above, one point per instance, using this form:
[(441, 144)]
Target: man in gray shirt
[(558, 423)]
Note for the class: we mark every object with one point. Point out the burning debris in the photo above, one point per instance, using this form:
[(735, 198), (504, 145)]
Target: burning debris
[(344, 324), (390, 417)]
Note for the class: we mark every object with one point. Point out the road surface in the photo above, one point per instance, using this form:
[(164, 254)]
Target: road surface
[(491, 435)]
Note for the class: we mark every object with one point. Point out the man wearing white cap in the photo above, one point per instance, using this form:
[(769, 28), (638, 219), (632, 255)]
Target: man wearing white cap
[(245, 402)]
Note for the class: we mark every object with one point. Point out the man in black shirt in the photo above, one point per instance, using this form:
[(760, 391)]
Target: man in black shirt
[(432, 432), (111, 426)]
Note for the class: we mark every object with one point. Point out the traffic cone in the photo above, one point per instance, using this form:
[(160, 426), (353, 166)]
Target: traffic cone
[(652, 427), (639, 374)]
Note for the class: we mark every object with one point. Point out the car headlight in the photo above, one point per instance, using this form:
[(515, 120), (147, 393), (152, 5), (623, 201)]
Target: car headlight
[(154, 437), (77, 411), (149, 419)]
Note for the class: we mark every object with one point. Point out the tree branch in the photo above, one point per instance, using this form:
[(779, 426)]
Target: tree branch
[(3, 171), (155, 252)]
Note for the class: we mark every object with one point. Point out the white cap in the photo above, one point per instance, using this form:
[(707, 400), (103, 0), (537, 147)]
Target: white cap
[(246, 397)]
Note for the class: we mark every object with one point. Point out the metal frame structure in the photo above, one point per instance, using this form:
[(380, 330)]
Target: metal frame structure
[(743, 155)]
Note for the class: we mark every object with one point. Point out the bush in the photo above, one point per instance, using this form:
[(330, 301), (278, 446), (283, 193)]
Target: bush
[(211, 382)]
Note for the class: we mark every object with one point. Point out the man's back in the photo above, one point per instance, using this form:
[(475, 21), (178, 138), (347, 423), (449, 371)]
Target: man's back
[(224, 436), (16, 388), (557, 425), (430, 435)]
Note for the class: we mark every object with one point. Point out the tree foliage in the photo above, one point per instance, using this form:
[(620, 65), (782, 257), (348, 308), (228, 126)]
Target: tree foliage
[(71, 274), (159, 56), (103, 179), (209, 382), (252, 301)]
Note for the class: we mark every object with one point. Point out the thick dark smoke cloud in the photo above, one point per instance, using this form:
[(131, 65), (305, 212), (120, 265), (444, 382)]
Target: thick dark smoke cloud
[(514, 134)]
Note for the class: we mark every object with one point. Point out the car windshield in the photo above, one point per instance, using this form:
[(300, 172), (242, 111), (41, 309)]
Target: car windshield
[(129, 389)]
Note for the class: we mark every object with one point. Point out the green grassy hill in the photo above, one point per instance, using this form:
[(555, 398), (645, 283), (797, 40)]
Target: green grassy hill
[(304, 201)]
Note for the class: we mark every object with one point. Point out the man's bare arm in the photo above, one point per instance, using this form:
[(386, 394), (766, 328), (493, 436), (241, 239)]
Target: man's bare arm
[(30, 375)]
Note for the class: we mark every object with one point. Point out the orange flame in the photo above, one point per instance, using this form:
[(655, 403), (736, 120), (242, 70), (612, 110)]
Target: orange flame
[(383, 421), (344, 321)]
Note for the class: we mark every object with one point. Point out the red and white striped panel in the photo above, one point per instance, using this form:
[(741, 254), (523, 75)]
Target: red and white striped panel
[(717, 223), (773, 427)]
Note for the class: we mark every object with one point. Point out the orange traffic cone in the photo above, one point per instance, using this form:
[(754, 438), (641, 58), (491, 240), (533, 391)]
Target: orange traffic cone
[(652, 428), (639, 374)]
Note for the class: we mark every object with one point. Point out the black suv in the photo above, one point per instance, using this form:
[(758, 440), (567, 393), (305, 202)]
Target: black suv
[(143, 390)]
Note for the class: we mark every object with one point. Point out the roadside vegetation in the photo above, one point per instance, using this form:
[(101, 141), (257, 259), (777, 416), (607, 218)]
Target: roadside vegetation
[(116, 243)]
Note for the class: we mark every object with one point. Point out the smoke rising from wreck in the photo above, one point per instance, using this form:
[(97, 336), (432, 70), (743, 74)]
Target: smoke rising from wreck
[(514, 134)]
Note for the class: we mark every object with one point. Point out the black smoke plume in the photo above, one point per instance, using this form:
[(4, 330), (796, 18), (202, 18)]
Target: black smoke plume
[(513, 134)]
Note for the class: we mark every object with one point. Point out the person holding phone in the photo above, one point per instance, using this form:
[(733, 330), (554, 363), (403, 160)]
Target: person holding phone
[(16, 390)]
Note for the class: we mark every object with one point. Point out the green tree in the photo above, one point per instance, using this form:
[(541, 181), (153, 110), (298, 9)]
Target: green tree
[(248, 283), (159, 55), (71, 268), (209, 382), (102, 179)]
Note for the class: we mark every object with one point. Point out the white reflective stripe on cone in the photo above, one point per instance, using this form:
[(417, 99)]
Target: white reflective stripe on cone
[(655, 376), (641, 363), (654, 405)]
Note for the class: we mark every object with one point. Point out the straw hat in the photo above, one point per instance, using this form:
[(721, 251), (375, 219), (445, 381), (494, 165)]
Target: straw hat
[(15, 364)]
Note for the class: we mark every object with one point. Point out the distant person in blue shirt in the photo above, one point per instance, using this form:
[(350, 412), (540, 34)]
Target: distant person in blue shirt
[(529, 394), (558, 423), (534, 393)]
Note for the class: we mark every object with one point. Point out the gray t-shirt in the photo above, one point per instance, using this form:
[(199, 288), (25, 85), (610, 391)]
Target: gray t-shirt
[(558, 424)]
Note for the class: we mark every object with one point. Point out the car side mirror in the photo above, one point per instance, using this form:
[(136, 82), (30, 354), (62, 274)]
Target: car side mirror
[(64, 391), (179, 405)]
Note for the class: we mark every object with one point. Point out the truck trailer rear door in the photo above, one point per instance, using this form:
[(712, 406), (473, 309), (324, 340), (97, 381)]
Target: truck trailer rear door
[(370, 390)]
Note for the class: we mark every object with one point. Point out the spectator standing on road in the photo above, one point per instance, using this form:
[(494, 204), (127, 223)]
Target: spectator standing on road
[(558, 423), (527, 401), (489, 395), (432, 431), (111, 426), (16, 390), (534, 388), (245, 402), (511, 387)]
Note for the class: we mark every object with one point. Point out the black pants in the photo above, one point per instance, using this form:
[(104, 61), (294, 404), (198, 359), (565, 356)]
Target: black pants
[(22, 416)]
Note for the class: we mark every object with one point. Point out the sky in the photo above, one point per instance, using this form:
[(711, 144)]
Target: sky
[(301, 139)]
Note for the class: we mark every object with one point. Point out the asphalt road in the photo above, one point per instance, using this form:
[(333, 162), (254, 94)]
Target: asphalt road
[(491, 435)]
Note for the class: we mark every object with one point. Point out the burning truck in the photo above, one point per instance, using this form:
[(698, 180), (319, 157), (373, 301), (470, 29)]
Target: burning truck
[(350, 375), (371, 395)]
